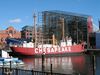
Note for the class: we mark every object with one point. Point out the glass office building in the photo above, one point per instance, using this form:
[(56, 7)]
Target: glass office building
[(66, 24)]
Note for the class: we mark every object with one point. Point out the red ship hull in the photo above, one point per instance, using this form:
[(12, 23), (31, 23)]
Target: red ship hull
[(53, 50)]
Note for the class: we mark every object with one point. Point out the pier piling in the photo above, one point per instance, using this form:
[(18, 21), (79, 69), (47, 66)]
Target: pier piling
[(51, 69)]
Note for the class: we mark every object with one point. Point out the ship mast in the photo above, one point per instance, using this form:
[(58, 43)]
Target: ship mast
[(35, 31), (63, 30)]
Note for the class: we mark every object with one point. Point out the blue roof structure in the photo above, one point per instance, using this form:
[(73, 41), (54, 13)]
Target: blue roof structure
[(13, 41)]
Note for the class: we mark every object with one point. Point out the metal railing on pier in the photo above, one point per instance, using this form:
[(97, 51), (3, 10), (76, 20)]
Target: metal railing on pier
[(15, 71)]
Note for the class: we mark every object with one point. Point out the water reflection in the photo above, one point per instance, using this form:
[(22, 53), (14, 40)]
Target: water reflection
[(80, 64)]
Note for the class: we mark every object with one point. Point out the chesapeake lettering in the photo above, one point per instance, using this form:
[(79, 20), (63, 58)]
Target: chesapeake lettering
[(52, 49)]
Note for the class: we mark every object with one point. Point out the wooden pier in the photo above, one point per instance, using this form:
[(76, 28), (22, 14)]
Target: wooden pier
[(93, 51)]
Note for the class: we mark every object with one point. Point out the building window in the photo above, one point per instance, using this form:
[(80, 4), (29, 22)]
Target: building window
[(10, 32), (7, 32), (14, 32)]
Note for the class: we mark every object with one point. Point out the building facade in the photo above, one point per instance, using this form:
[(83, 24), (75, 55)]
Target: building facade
[(66, 24), (29, 33), (10, 32)]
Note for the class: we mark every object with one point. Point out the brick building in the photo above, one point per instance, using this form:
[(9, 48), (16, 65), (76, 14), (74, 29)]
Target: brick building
[(9, 32), (29, 34)]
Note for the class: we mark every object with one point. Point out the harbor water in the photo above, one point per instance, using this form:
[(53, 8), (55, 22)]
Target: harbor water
[(82, 64)]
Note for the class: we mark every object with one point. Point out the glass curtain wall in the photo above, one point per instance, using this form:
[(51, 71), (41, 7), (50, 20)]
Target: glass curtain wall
[(64, 24)]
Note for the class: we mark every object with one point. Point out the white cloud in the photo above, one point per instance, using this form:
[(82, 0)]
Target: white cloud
[(16, 20)]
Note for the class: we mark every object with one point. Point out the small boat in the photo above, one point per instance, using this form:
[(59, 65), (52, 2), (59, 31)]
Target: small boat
[(11, 62)]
